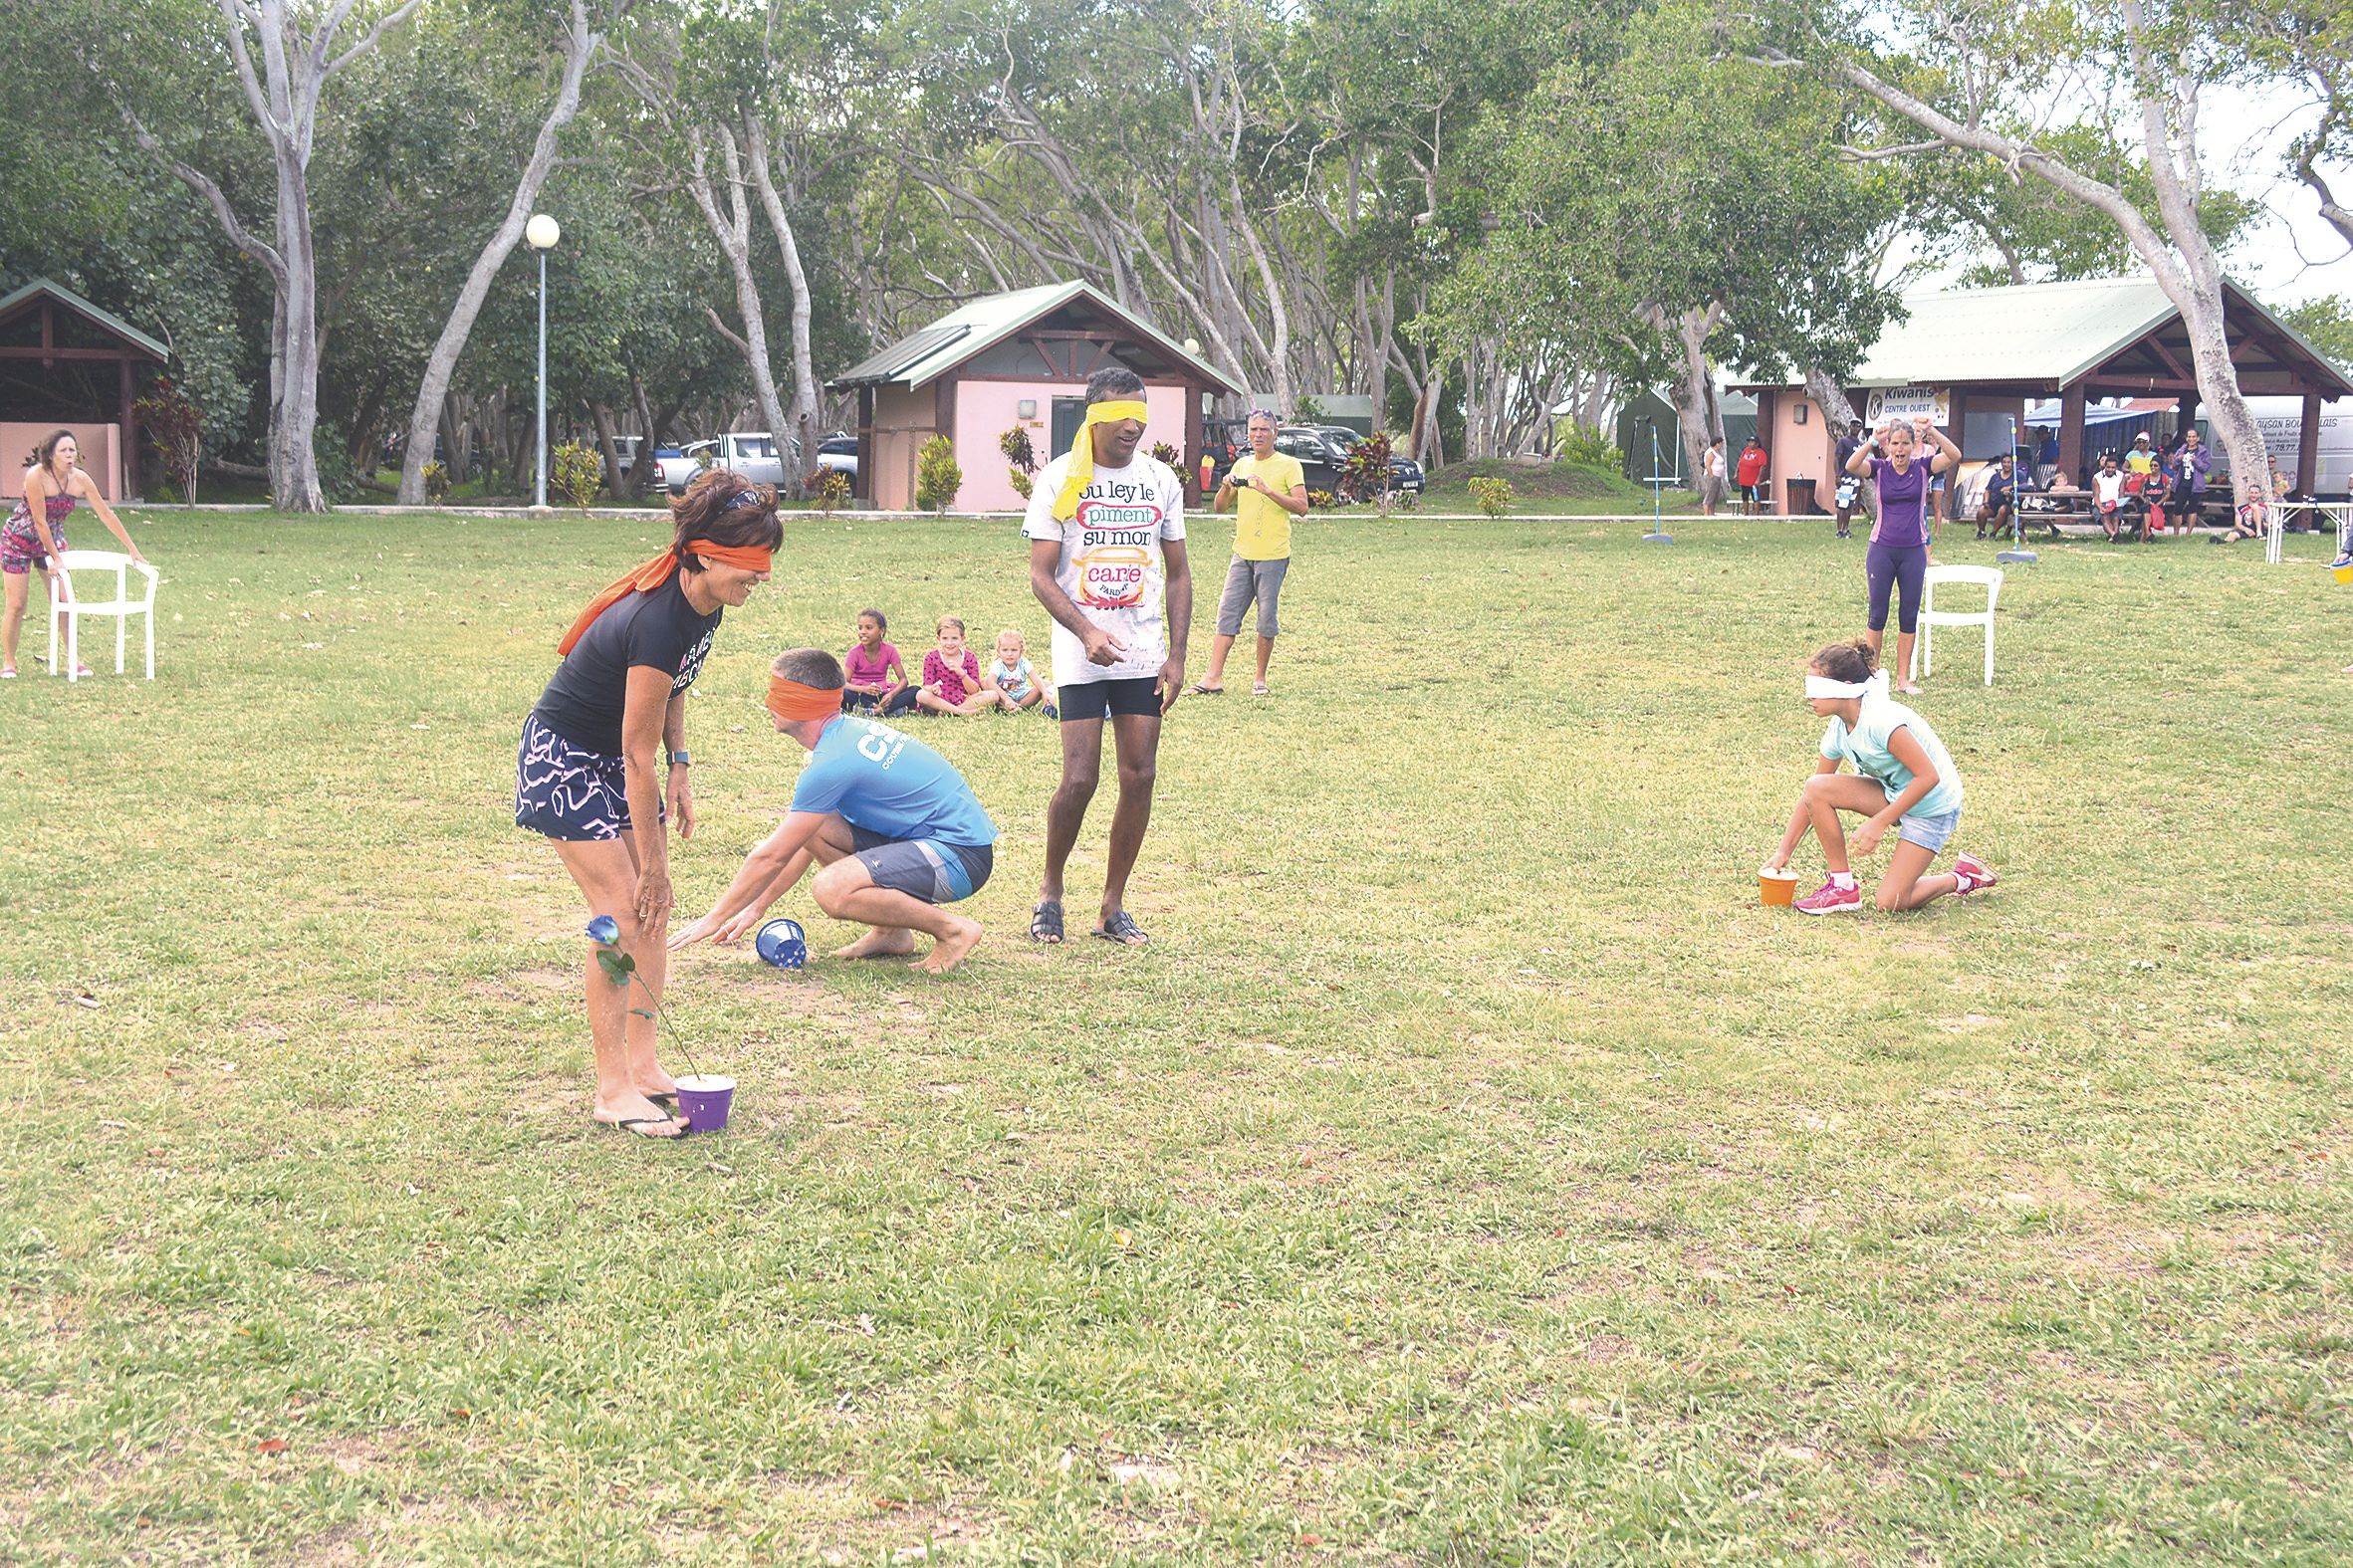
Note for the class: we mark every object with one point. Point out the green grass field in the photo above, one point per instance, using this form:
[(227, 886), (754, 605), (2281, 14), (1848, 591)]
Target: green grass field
[(1469, 1174)]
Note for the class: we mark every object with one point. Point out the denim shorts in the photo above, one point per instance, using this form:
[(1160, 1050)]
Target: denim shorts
[(1929, 832)]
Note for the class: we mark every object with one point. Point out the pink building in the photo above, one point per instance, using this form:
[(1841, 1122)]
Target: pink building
[(1016, 360), (67, 365)]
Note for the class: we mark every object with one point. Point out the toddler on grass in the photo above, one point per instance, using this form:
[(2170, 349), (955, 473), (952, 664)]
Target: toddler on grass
[(1010, 673)]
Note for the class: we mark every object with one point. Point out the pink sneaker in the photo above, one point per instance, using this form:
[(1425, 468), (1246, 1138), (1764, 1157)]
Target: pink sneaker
[(1831, 899), (1975, 876)]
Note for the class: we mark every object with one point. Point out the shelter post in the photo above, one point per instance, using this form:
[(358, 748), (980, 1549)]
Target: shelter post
[(862, 486), (2071, 433), (131, 489), (2307, 447)]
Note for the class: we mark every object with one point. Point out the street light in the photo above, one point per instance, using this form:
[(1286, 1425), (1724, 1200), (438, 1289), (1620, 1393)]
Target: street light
[(543, 233)]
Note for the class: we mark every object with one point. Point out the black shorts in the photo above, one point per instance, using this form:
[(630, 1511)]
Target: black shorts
[(1092, 700)]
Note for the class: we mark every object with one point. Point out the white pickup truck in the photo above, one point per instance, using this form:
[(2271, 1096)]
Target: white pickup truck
[(750, 453)]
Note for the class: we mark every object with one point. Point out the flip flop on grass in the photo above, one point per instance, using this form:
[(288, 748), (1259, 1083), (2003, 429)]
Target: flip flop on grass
[(1046, 922), (1199, 690), (630, 1124)]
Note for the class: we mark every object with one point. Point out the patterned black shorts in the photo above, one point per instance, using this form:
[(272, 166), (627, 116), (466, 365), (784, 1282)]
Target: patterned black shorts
[(567, 792)]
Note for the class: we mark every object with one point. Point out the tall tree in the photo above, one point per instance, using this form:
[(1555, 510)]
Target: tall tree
[(576, 46), (281, 91), (1998, 70)]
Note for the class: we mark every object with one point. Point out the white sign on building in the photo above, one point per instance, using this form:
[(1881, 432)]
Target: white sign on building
[(1908, 402)]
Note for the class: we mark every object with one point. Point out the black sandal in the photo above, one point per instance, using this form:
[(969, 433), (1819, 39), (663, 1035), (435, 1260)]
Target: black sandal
[(1122, 929), (628, 1122), (1046, 922)]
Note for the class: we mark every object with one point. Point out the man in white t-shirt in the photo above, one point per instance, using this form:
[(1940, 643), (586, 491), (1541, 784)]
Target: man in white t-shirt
[(1106, 527)]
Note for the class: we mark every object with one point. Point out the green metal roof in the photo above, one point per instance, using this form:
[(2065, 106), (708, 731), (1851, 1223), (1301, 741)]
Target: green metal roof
[(81, 307), (978, 325), (2051, 332)]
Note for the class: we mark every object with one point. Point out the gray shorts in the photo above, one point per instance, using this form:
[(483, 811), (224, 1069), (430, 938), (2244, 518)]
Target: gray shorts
[(1246, 580)]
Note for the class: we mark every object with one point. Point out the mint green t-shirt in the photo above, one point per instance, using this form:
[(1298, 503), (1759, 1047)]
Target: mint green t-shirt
[(1865, 746)]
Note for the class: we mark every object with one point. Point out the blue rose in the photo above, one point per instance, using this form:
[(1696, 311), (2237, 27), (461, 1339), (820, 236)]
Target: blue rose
[(605, 930)]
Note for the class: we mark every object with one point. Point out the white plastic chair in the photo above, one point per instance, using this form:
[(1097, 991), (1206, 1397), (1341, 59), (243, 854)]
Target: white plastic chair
[(121, 608), (1986, 577)]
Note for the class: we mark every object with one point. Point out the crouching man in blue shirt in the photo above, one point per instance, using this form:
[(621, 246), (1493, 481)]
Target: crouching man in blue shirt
[(897, 828)]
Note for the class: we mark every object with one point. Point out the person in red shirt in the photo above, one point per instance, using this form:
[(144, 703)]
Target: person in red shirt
[(1749, 476)]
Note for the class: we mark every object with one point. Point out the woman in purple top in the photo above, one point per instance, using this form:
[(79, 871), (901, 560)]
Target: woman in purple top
[(1898, 555)]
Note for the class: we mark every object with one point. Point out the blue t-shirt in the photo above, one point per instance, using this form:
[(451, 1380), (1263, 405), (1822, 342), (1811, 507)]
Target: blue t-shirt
[(892, 784), (1865, 746)]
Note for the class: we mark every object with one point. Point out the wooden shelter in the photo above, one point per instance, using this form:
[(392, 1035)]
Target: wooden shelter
[(1015, 360), (66, 363), (1978, 357)]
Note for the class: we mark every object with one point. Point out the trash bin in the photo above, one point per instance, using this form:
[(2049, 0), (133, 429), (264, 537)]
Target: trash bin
[(1801, 499)]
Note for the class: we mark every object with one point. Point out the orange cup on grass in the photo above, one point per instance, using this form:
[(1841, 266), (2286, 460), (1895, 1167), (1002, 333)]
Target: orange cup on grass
[(1776, 889)]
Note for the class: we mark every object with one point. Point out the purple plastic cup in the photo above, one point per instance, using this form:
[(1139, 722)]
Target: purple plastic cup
[(704, 1101)]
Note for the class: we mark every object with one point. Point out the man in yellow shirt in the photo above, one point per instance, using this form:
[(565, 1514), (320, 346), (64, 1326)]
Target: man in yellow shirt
[(1269, 489)]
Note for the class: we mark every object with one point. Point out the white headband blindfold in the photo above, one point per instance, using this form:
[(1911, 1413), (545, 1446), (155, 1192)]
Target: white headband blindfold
[(1823, 686)]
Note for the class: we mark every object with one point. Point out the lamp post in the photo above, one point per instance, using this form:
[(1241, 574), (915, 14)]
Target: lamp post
[(543, 233)]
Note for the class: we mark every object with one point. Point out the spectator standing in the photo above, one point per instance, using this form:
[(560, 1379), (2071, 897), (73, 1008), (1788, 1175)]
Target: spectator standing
[(2190, 468), (2047, 457), (1712, 476), (1751, 478), (1850, 487)]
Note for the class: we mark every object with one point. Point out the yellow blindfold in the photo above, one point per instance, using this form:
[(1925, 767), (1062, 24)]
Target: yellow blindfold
[(1082, 469)]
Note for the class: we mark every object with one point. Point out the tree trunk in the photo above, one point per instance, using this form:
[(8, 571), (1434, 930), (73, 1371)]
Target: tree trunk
[(1838, 411), (580, 49), (1691, 386), (804, 431), (601, 416), (734, 234)]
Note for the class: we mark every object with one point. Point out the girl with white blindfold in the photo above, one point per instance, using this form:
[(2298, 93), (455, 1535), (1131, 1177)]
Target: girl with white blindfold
[(1904, 779)]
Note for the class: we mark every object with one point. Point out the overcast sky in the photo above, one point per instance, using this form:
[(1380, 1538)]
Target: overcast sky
[(2295, 255)]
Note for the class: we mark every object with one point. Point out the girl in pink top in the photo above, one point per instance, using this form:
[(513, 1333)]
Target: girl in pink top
[(952, 676), (874, 679)]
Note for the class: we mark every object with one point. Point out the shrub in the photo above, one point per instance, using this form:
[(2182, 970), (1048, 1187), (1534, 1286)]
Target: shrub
[(1323, 498), (1588, 444), (177, 427), (829, 488), (1168, 454), (1366, 475), (1405, 500), (1014, 444), (575, 472), (436, 480), (1022, 483), (1492, 495), (937, 478)]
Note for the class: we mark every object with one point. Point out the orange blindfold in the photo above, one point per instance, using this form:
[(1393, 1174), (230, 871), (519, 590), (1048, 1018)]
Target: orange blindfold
[(792, 700), (655, 572)]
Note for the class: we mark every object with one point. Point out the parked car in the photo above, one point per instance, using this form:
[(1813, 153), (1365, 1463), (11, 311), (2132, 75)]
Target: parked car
[(624, 450), (1322, 451), (750, 453), (673, 470), (839, 453)]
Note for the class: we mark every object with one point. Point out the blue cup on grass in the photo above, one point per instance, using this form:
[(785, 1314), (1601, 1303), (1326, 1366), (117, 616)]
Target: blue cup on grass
[(783, 942)]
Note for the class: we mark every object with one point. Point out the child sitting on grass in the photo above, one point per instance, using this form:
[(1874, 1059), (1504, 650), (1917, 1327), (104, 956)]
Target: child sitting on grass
[(876, 678), (952, 676), (1904, 778), (2255, 517), (1010, 673)]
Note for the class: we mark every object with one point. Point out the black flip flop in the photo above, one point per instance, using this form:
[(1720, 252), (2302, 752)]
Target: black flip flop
[(627, 1122), (669, 1100), (1046, 922), (1122, 929)]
